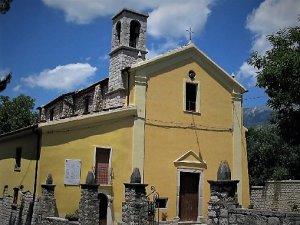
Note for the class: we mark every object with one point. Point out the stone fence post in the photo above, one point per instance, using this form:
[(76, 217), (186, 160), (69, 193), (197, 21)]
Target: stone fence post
[(45, 206), (89, 203), (223, 196), (135, 207), (6, 207)]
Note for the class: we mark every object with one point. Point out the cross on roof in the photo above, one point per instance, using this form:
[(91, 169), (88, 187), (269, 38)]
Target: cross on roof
[(190, 32)]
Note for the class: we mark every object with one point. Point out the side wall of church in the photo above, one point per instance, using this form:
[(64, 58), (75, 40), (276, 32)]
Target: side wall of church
[(12, 176), (78, 141)]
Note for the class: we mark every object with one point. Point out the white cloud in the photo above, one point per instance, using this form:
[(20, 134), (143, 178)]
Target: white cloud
[(171, 19), (162, 48), (104, 57), (247, 72), (168, 18), (268, 18), (82, 11), (17, 88), (62, 78)]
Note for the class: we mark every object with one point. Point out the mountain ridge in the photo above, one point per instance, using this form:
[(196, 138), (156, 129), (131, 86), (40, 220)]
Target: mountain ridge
[(256, 116)]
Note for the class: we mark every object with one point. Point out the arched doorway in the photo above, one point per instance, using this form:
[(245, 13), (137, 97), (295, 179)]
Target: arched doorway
[(103, 209)]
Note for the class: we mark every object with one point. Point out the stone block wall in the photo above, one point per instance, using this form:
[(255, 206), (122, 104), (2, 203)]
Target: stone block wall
[(135, 207), (277, 196), (26, 208), (57, 221), (73, 104), (44, 210), (45, 205), (13, 214), (89, 205), (125, 20), (260, 217)]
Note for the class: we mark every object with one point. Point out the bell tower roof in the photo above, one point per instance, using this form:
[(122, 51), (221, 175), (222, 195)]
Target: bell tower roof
[(129, 11)]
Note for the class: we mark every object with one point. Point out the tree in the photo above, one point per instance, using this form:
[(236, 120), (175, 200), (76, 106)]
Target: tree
[(16, 113), (4, 6), (270, 157), (279, 74), (4, 81)]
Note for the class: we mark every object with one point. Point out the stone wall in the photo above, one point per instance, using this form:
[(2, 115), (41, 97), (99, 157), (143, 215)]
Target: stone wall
[(57, 221), (123, 55), (14, 214), (73, 104), (44, 210), (89, 205), (257, 217), (277, 196), (45, 205), (135, 207)]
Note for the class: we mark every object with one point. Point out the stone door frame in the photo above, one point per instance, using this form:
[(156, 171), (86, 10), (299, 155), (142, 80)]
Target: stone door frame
[(200, 190)]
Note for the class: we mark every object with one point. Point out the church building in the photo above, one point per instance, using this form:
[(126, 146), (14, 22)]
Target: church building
[(175, 117)]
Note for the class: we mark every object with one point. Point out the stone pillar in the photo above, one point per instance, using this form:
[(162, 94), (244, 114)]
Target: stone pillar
[(42, 114), (26, 208), (135, 207), (6, 206), (97, 99), (48, 201), (223, 196), (45, 206), (89, 202)]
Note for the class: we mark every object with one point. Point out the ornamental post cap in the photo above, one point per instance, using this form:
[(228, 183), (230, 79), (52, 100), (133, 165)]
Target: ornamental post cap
[(90, 179), (135, 176), (224, 172)]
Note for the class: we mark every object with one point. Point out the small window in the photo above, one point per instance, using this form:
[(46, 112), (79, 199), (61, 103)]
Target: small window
[(161, 203), (51, 114), (191, 91), (118, 29), (134, 33), (18, 159), (86, 104)]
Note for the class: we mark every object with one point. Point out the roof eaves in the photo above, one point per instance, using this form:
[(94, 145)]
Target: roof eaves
[(24, 129), (190, 46)]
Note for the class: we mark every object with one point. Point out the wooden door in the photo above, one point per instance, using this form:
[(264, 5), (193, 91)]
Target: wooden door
[(102, 166), (188, 196)]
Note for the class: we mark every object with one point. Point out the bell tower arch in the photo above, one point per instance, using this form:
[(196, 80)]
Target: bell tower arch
[(128, 45)]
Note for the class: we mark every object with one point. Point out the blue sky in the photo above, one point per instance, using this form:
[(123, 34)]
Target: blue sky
[(54, 46)]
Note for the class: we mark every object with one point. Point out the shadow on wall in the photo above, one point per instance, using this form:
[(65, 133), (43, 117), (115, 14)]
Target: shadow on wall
[(27, 144), (65, 135)]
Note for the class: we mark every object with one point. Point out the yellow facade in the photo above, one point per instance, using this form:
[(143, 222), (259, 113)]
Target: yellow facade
[(171, 132), (153, 133), (78, 139)]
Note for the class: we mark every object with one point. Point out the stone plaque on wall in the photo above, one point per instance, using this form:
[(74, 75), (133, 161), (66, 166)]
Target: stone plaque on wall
[(72, 171)]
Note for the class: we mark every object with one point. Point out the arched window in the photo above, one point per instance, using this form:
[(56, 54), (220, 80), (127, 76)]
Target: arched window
[(118, 29), (135, 27)]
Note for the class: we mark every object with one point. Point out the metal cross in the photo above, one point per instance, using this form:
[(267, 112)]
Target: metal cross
[(190, 32)]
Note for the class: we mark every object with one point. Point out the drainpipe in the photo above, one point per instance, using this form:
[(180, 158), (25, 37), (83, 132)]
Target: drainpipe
[(38, 133)]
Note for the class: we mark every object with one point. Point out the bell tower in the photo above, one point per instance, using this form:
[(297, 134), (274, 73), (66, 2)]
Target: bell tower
[(128, 46)]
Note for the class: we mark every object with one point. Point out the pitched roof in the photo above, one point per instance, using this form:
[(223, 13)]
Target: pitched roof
[(198, 54)]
